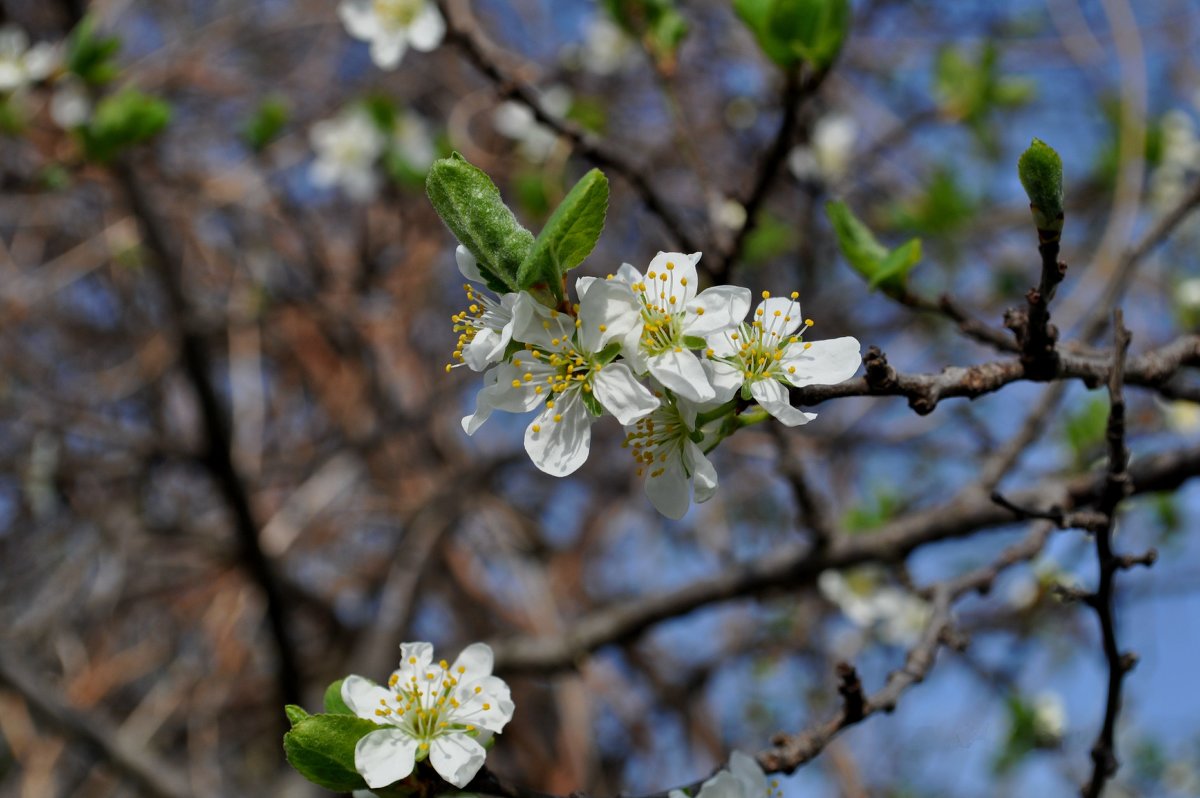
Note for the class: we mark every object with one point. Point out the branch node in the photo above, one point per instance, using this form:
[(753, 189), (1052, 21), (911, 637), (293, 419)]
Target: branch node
[(851, 690)]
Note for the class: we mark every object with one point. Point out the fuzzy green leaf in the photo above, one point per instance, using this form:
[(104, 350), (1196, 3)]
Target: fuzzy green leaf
[(333, 700), (470, 205), (295, 714), (1040, 170), (89, 55), (321, 748), (789, 31), (569, 236)]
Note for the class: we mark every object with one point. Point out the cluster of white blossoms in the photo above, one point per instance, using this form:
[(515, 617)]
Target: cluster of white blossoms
[(886, 611), (21, 64), (671, 363), (742, 779), (442, 712), (350, 146), (393, 26)]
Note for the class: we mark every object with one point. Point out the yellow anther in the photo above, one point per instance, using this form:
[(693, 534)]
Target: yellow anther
[(478, 689), (699, 311), (557, 417), (487, 707), (443, 664), (672, 300), (808, 322), (778, 313), (392, 680), (791, 369), (516, 383), (536, 428), (412, 660), (683, 281), (766, 294), (807, 345), (449, 368), (603, 328)]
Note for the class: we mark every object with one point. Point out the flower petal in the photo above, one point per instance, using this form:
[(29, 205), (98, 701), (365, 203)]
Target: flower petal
[(456, 758), (468, 264), (746, 770), (681, 371), (704, 476), (715, 309), (362, 696), (477, 660), (725, 379), (495, 694), (384, 757), (560, 447), (622, 395), (534, 323), (609, 304), (427, 29), (668, 487), (773, 398), (822, 362), (780, 318), (387, 49), (415, 657), (680, 270), (359, 18)]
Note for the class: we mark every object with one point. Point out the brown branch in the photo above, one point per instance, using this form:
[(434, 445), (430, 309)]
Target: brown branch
[(154, 776), (1117, 485), (790, 751), (924, 391), (796, 565), (462, 31), (218, 454)]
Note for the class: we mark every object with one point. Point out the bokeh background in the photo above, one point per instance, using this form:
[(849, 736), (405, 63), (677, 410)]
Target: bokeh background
[(151, 561)]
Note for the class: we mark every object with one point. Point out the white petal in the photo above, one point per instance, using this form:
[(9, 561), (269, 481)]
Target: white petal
[(427, 29), (622, 395), (725, 379), (724, 785), (359, 18), (483, 403), (715, 309), (681, 282), (387, 49), (773, 398), (680, 370), (722, 344), (384, 757), (415, 656), (468, 264), (628, 274), (704, 476), (362, 696), (609, 304), (477, 659), (823, 362), (534, 323), (493, 692), (582, 285), (456, 758), (482, 351), (41, 60), (560, 447), (746, 770), (783, 325), (669, 490)]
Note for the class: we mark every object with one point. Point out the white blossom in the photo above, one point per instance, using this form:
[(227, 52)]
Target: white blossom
[(1049, 717), (20, 64), (439, 711), (661, 311), (70, 105), (485, 328), (606, 48), (413, 142), (347, 148), (895, 616), (392, 26), (535, 141), (670, 459), (743, 779), (767, 354), (829, 152), (563, 368)]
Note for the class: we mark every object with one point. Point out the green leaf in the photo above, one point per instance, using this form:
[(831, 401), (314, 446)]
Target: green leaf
[(470, 205), (333, 700), (91, 56), (321, 748), (757, 16), (267, 123), (569, 236), (883, 269), (1040, 170), (295, 714), (658, 24), (789, 31), (122, 120), (694, 342)]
